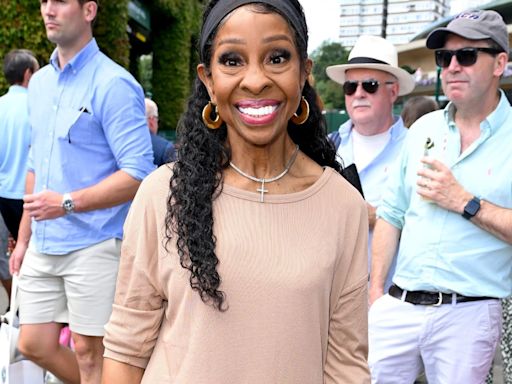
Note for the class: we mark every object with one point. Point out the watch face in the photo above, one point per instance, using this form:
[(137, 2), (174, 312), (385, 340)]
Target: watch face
[(68, 205), (472, 207)]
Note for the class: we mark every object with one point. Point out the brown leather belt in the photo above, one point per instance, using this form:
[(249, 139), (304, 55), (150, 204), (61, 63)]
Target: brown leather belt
[(432, 298)]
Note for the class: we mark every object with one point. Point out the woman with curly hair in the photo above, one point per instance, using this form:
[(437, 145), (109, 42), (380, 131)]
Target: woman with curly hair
[(245, 260)]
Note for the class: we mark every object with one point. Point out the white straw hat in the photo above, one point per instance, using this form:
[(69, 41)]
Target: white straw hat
[(373, 52)]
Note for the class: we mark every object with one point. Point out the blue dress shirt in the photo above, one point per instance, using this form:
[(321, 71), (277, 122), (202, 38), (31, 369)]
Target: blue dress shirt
[(439, 249), (14, 142), (88, 122), (374, 176)]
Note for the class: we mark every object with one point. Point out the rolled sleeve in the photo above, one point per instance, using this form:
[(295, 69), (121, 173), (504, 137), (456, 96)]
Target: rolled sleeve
[(126, 130), (395, 199)]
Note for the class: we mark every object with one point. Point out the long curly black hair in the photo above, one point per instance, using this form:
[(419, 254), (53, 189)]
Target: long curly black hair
[(202, 155)]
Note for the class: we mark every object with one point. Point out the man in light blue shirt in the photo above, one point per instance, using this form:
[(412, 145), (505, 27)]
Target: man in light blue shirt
[(90, 150), (373, 137), (18, 67), (448, 210)]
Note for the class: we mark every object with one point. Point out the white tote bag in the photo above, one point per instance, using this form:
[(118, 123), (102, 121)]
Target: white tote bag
[(13, 368)]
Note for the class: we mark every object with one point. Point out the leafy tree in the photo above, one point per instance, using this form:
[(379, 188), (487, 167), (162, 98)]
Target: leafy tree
[(328, 53)]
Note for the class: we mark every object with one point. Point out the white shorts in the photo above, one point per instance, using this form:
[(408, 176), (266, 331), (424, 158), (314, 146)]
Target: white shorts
[(77, 288), (455, 343)]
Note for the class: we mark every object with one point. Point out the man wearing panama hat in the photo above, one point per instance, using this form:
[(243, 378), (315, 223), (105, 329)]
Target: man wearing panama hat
[(447, 209), (373, 137)]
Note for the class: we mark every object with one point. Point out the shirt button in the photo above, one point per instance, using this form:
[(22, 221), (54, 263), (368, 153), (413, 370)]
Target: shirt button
[(54, 107)]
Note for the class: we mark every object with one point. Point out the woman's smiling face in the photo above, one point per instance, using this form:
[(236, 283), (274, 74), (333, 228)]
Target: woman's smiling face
[(256, 77)]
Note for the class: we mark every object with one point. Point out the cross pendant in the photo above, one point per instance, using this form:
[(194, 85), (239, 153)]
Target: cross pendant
[(262, 190)]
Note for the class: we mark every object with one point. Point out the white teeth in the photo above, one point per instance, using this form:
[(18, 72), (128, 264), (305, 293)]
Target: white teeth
[(258, 112)]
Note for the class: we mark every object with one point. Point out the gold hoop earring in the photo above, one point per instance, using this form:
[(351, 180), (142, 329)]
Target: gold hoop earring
[(304, 113), (207, 119)]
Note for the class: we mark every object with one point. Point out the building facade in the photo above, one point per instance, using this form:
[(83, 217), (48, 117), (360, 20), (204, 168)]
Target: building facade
[(404, 18)]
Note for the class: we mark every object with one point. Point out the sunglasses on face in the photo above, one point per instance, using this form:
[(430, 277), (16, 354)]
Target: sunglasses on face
[(465, 56), (370, 86)]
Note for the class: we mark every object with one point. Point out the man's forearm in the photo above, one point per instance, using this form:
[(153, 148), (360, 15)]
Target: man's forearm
[(495, 220), (384, 246), (116, 189)]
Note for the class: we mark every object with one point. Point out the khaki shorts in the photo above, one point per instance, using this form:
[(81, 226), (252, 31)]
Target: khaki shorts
[(77, 288)]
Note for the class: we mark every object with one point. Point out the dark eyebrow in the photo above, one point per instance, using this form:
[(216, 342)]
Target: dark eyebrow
[(270, 39), (231, 41), (277, 38)]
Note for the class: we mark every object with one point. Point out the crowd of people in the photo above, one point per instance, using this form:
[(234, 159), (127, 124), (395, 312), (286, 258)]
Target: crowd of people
[(248, 256)]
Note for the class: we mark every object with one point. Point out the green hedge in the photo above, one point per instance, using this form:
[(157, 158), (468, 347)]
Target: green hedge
[(22, 27), (175, 25), (110, 30)]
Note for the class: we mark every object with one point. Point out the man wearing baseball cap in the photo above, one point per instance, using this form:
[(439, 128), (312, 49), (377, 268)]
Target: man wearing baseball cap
[(372, 137), (447, 208)]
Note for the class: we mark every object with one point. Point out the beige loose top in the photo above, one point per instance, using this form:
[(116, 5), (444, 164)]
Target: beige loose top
[(294, 271)]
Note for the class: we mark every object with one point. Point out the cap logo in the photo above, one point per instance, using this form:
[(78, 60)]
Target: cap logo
[(468, 15)]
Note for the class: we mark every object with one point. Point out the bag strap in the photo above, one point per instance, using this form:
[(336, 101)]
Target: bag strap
[(14, 302), (12, 312)]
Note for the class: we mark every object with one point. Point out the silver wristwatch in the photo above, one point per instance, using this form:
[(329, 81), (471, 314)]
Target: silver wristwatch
[(67, 203)]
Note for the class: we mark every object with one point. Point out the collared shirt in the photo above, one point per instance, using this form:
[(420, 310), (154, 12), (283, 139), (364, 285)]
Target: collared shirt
[(374, 176), (439, 249), (88, 122), (14, 142)]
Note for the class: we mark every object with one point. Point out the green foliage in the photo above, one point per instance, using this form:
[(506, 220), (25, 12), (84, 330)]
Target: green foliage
[(22, 27), (175, 26), (329, 53), (110, 30)]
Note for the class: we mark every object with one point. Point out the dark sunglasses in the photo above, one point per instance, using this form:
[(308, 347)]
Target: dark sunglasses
[(465, 56), (370, 86)]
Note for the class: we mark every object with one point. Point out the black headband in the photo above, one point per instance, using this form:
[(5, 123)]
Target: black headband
[(224, 7)]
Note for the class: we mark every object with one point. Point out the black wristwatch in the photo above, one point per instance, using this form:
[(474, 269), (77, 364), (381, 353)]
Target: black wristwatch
[(471, 208), (67, 203)]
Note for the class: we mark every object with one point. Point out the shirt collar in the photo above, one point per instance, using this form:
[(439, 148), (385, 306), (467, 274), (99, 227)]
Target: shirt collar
[(17, 89), (79, 60), (492, 122)]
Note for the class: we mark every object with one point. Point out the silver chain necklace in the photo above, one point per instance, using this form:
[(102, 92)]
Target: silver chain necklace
[(262, 189)]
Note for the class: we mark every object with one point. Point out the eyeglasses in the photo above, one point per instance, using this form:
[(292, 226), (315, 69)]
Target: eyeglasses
[(465, 56), (370, 86)]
